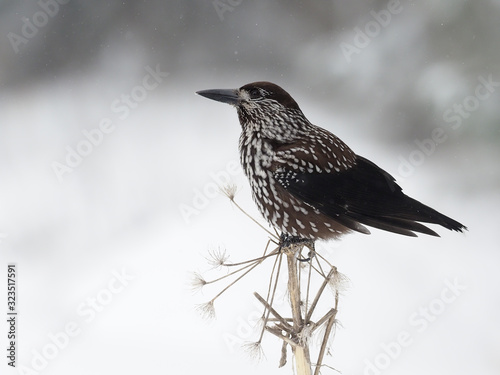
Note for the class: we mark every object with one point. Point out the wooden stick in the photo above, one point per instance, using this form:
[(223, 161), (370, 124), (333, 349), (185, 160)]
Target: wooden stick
[(322, 351), (320, 291), (301, 349), (273, 311)]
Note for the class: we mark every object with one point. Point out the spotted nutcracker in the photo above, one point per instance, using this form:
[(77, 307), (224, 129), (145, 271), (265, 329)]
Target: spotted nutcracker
[(306, 182)]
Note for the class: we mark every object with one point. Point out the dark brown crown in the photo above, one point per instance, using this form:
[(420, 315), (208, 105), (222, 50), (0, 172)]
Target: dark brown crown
[(273, 92)]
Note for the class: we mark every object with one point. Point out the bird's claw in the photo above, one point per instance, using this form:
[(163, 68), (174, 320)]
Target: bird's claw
[(286, 241)]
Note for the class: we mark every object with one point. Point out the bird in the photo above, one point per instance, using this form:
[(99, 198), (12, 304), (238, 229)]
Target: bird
[(307, 183)]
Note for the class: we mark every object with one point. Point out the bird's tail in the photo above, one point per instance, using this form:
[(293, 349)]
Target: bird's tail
[(407, 219), (421, 212)]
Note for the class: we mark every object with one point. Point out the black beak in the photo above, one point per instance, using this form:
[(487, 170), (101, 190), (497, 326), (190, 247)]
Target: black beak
[(224, 96)]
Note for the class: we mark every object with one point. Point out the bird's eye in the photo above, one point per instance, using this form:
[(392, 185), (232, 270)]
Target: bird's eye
[(254, 93)]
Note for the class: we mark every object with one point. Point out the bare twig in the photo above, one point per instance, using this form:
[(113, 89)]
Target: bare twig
[(209, 306), (329, 326), (273, 311), (330, 313), (320, 291), (271, 294), (259, 259), (231, 198), (277, 333)]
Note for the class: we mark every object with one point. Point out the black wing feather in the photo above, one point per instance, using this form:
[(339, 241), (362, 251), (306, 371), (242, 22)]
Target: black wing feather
[(365, 194)]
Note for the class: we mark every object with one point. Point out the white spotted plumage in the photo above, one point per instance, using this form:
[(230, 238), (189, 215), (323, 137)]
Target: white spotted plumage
[(274, 150), (308, 183)]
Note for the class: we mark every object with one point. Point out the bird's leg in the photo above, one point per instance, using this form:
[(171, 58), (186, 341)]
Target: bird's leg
[(312, 251), (287, 240)]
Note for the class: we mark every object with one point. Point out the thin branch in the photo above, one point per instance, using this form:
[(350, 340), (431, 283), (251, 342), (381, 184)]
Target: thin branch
[(307, 292), (271, 294), (277, 320), (199, 281), (237, 279), (230, 274), (325, 260), (273, 311), (276, 332), (322, 351), (251, 218), (328, 315), (259, 259), (320, 271), (293, 286), (320, 291)]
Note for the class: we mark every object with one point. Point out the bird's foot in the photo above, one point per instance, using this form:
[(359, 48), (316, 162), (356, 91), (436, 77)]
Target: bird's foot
[(287, 240)]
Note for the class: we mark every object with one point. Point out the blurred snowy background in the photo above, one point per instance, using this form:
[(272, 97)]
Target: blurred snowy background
[(108, 165)]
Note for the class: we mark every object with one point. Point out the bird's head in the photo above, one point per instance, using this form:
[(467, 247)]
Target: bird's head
[(262, 104), (252, 96)]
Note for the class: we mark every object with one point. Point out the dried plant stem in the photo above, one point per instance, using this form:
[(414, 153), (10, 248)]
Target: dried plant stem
[(322, 351), (325, 260), (259, 259), (270, 295), (273, 236), (325, 317), (306, 313), (329, 327), (252, 266), (320, 292), (272, 311), (277, 333), (296, 330), (248, 264), (300, 349)]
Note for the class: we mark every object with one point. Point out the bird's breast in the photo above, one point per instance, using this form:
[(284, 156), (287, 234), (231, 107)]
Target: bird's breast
[(281, 209)]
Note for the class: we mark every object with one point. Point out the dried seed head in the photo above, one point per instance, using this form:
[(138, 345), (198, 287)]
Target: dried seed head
[(217, 257), (197, 282), (254, 350), (338, 281), (229, 191), (207, 310)]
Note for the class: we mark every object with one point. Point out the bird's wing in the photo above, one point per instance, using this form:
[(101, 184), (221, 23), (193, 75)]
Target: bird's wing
[(362, 193)]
